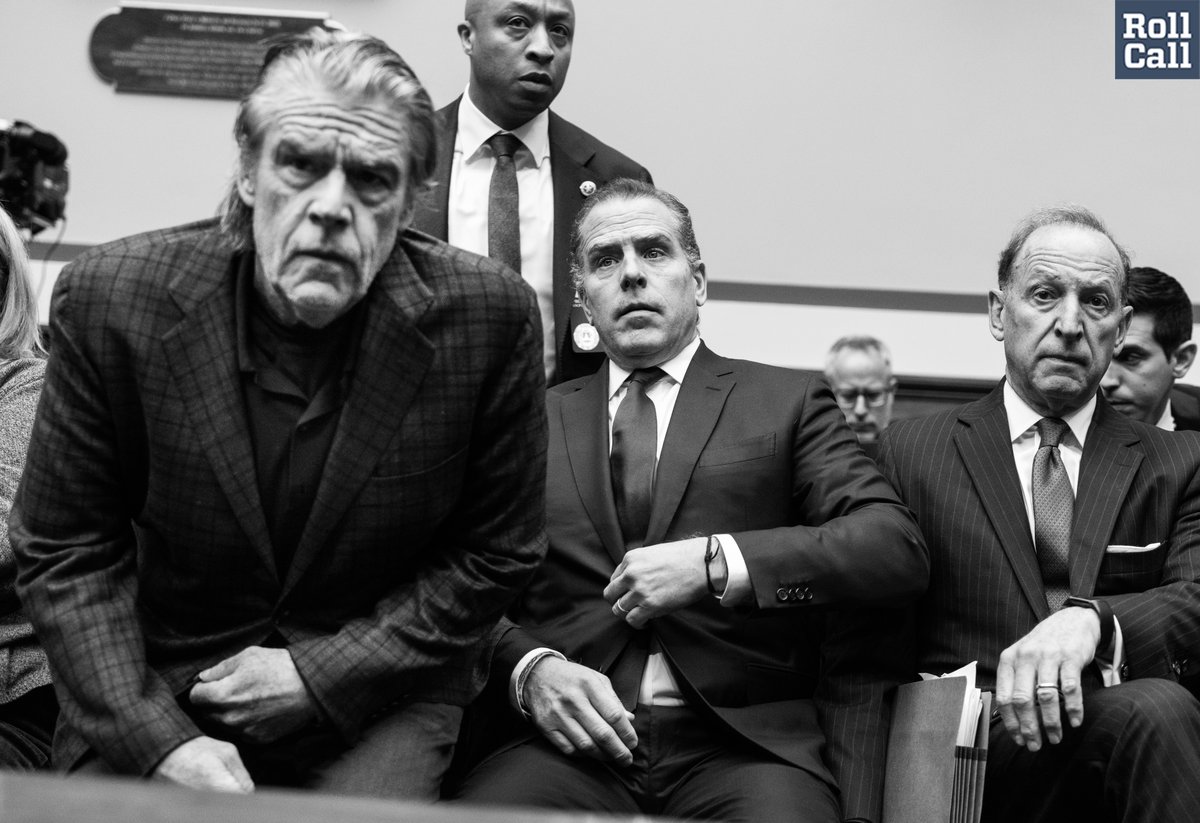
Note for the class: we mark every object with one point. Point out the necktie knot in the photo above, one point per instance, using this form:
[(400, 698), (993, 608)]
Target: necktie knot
[(504, 144), (1051, 430), (645, 377)]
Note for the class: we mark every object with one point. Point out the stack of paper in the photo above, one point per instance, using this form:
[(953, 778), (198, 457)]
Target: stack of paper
[(937, 750)]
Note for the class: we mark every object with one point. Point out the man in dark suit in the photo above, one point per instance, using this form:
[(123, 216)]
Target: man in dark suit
[(1065, 549), (1158, 350), (669, 652), (519, 53), (287, 472)]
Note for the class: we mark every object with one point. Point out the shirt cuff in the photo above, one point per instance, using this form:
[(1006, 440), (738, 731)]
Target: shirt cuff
[(737, 586), (1111, 660), (520, 673)]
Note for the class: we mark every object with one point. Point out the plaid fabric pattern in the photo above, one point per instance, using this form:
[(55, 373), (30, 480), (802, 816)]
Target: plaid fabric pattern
[(144, 554)]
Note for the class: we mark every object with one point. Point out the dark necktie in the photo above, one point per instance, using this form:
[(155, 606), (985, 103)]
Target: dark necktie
[(504, 205), (1053, 511), (634, 444)]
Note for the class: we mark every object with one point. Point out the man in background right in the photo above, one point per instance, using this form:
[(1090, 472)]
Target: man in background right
[(859, 370), (1158, 350), (1064, 542)]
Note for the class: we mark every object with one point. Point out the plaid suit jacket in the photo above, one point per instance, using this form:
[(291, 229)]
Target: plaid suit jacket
[(143, 548), (575, 158), (1138, 485)]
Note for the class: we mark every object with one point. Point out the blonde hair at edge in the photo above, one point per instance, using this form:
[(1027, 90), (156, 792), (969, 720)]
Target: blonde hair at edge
[(19, 335)]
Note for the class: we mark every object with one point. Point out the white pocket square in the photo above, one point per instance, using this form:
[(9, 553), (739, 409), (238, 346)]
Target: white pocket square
[(1131, 549)]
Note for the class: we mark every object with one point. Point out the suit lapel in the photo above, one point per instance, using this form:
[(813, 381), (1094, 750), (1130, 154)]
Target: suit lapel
[(986, 451), (702, 395), (393, 358), (201, 353), (585, 425), (1105, 475), (432, 215), (568, 170)]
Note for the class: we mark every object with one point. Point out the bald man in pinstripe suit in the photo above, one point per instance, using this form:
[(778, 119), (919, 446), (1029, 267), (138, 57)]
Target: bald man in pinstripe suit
[(1084, 660)]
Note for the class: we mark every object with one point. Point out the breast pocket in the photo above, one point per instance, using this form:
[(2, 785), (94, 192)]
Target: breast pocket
[(740, 451), (416, 499), (1124, 571)]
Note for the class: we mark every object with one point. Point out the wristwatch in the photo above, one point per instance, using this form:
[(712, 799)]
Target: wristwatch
[(1102, 610)]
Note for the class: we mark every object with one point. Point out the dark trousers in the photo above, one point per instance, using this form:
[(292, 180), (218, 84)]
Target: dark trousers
[(1135, 758), (27, 729), (401, 755), (685, 766)]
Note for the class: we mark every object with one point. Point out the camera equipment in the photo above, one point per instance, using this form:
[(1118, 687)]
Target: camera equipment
[(33, 176)]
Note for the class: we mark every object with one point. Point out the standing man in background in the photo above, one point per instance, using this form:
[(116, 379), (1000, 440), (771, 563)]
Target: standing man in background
[(512, 174), (288, 470), (1158, 350), (859, 370)]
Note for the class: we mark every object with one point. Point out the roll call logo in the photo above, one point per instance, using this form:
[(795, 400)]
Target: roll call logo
[(1156, 39)]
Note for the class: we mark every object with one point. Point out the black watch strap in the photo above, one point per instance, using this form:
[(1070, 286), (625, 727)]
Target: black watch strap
[(1103, 611)]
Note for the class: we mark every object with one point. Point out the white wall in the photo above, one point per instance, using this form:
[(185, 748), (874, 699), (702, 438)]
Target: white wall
[(863, 145)]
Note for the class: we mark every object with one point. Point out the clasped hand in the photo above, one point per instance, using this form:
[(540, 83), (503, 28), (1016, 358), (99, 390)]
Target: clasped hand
[(576, 709), (656, 580), (1054, 652), (257, 693)]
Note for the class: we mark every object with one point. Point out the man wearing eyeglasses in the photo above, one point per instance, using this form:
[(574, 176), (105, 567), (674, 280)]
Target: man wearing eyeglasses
[(859, 369)]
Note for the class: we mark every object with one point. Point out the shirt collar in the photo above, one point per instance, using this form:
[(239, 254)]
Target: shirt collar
[(675, 368), (475, 129), (1167, 421), (1022, 418)]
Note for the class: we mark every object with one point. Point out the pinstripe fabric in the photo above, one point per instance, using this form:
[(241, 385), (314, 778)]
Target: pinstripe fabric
[(1137, 485), (766, 455), (144, 554), (575, 158), (1135, 759)]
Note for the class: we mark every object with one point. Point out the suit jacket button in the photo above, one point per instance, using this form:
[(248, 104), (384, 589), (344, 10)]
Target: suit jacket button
[(1124, 671), (782, 594)]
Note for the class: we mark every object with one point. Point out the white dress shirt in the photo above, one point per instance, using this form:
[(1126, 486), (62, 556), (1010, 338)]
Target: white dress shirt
[(470, 182), (1167, 421), (1022, 430)]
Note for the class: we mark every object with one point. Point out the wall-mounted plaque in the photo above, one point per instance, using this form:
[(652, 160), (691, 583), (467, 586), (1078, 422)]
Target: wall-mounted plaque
[(196, 51)]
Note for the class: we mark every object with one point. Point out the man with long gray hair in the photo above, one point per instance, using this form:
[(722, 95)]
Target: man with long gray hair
[(288, 468)]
